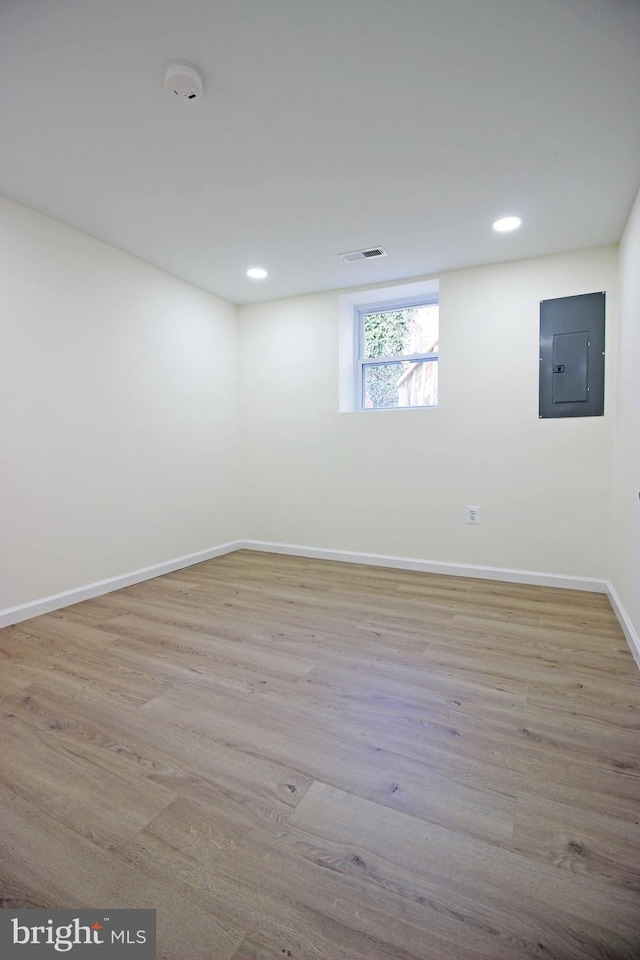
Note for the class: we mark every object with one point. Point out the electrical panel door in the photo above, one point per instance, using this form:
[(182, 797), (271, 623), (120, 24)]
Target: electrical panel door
[(572, 356)]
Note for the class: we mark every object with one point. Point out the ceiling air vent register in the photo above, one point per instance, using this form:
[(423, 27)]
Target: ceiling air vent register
[(367, 254)]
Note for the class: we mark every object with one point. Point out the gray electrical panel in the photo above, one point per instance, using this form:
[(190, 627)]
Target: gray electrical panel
[(572, 356)]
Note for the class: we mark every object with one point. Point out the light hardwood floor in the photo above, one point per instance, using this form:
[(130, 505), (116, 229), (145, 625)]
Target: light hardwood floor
[(300, 759)]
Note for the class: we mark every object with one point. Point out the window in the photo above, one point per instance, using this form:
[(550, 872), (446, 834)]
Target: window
[(397, 355)]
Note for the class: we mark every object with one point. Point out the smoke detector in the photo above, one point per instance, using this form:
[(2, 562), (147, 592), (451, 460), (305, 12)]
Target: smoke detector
[(368, 254), (183, 79)]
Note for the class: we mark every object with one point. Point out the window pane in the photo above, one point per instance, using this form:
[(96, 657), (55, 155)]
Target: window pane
[(413, 383), (412, 330)]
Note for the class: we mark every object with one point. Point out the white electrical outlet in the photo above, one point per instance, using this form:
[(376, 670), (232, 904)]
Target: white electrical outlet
[(473, 514)]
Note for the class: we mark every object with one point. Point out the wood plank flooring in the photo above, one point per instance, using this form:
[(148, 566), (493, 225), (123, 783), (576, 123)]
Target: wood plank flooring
[(307, 760)]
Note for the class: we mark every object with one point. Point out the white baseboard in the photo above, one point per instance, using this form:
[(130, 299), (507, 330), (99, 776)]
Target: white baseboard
[(628, 628), (35, 608), (432, 566)]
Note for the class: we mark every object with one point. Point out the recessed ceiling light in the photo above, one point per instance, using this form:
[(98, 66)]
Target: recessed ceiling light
[(257, 273), (504, 224)]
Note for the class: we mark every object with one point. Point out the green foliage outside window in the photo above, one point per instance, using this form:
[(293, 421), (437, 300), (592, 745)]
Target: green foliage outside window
[(385, 335)]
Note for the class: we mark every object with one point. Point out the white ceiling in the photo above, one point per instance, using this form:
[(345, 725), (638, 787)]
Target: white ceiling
[(325, 126)]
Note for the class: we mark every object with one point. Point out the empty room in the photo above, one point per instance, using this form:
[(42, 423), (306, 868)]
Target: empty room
[(320, 479)]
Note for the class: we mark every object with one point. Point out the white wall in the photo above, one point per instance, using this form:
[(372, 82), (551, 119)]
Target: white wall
[(397, 482), (118, 413), (625, 517)]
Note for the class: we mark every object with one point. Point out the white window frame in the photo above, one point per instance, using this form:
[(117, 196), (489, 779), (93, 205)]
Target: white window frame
[(385, 306), (369, 297)]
